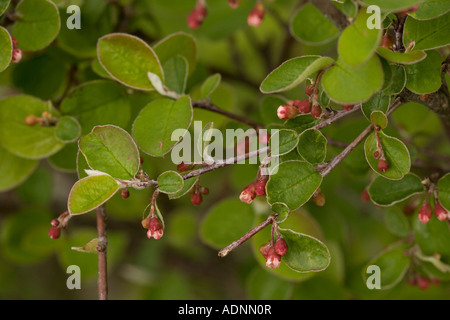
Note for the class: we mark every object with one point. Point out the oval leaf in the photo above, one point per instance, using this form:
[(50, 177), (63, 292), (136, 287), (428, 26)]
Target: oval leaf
[(305, 253), (443, 186), (170, 182), (111, 150), (378, 102), (386, 192), (283, 141), (176, 72), (37, 24), (128, 59), (210, 85), (431, 9), (6, 48), (67, 130), (398, 80), (357, 42), (425, 76), (154, 126), (429, 34), (395, 152), (312, 146), (13, 169), (402, 57), (379, 119), (349, 85), (293, 184), (4, 5), (292, 72), (90, 193)]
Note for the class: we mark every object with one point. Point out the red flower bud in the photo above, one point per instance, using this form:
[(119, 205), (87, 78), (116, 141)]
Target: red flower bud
[(273, 259), (376, 154), (54, 223), (316, 111), (304, 106), (260, 186), (197, 15), (16, 55), (256, 16), (387, 41), (264, 249), (125, 193), (182, 167), (248, 194), (281, 247), (287, 111), (14, 42), (425, 212), (155, 229), (204, 190), (196, 198), (422, 282), (440, 212), (54, 232), (309, 90), (234, 3), (365, 195), (348, 107), (383, 165)]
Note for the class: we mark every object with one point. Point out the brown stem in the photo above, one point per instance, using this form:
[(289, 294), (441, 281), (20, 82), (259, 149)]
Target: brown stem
[(102, 254), (206, 105), (398, 33), (338, 115), (225, 251)]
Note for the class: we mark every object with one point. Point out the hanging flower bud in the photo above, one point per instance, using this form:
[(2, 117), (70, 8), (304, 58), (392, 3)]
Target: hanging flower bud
[(264, 249), (248, 194), (14, 42), (304, 106), (256, 16), (155, 229), (196, 198), (273, 259), (440, 212), (422, 282), (425, 212), (319, 199), (365, 195), (316, 111), (204, 190), (348, 107), (287, 111), (197, 15), (260, 186), (16, 55), (281, 247), (309, 90), (383, 165), (54, 232), (125, 193)]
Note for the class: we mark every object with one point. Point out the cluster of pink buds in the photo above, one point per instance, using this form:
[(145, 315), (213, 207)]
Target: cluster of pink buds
[(256, 16), (197, 15), (422, 282), (17, 53), (273, 253), (183, 167), (295, 107), (154, 226), (426, 212), (254, 189), (58, 224)]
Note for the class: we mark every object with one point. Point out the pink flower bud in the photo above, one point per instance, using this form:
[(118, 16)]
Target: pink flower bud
[(14, 42), (16, 56), (264, 249), (256, 16), (196, 198), (348, 107), (155, 229), (273, 259), (260, 186), (425, 212), (309, 89), (281, 247), (383, 165), (365, 195), (197, 15), (287, 111), (54, 223), (316, 111), (125, 193), (304, 106), (440, 211), (248, 194), (234, 3), (54, 232), (422, 282)]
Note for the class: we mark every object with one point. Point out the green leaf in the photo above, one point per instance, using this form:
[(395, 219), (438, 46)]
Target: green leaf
[(431, 9), (111, 150), (187, 186), (378, 119), (31, 142), (68, 129), (282, 210), (397, 222), (82, 165), (283, 141), (170, 182), (386, 192), (425, 76), (4, 5), (357, 42), (209, 85), (98, 102), (293, 184), (349, 85), (305, 252), (13, 169), (128, 59), (429, 34), (389, 5), (443, 186), (398, 80), (153, 128), (66, 158), (90, 193), (308, 25), (176, 72), (292, 72), (393, 265), (37, 24), (177, 44), (90, 247), (395, 152), (433, 237), (301, 122), (226, 222), (6, 49), (402, 57), (312, 146)]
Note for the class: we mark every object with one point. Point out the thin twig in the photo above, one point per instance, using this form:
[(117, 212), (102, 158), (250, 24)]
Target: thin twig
[(102, 247), (225, 251), (332, 13)]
